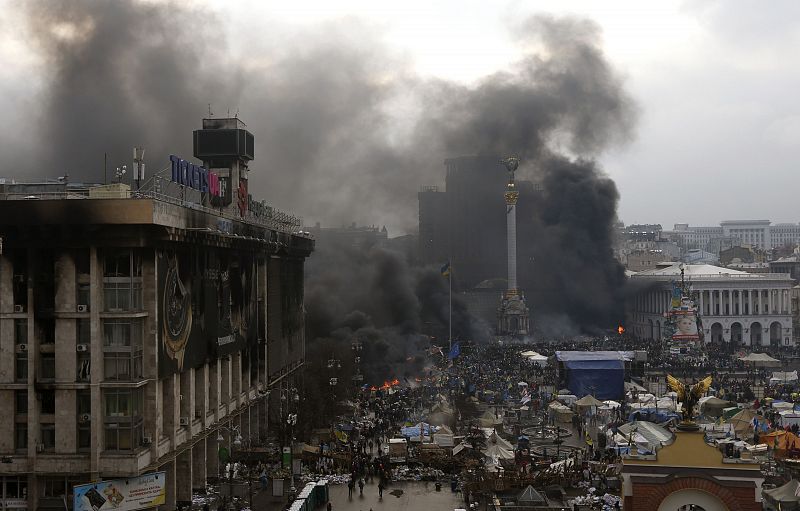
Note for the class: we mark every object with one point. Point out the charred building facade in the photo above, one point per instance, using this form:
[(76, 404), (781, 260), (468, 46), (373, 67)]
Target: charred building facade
[(141, 330)]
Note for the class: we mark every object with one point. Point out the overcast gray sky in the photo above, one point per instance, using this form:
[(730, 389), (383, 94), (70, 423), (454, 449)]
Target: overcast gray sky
[(716, 81)]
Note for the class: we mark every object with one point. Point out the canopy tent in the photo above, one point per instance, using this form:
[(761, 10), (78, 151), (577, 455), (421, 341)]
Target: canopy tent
[(495, 439), (713, 406), (588, 400), (783, 377), (742, 421), (612, 404), (530, 497), (782, 405), (761, 360), (529, 353), (780, 440), (600, 373), (443, 437), (629, 386), (655, 435), (488, 420), (786, 497), (497, 452)]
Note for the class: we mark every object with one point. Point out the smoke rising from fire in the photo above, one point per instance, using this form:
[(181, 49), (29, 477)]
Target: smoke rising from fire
[(345, 130)]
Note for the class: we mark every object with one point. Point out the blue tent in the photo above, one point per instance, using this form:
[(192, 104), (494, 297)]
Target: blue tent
[(599, 373)]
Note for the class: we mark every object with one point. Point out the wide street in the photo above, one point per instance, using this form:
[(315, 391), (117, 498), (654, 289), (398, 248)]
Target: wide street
[(398, 497)]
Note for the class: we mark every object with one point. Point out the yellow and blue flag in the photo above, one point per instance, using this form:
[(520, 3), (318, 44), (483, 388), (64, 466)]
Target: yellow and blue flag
[(446, 269)]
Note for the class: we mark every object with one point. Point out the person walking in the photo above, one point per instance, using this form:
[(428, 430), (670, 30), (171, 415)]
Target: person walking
[(381, 486), (350, 487), (361, 487)]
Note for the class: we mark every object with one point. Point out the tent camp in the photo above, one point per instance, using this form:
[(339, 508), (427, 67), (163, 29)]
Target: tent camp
[(600, 373), (785, 498), (760, 360)]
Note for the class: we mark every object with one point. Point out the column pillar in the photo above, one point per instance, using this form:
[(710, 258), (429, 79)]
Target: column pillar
[(749, 302), (183, 480), (761, 301), (741, 302), (712, 300), (199, 464), (702, 302), (169, 487), (212, 454), (769, 302)]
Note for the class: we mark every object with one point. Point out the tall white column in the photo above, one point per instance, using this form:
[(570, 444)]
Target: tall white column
[(711, 300), (769, 302), (702, 302), (761, 301), (511, 225), (749, 302), (741, 303)]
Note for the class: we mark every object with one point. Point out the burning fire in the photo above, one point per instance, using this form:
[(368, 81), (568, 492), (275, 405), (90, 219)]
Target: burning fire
[(621, 329)]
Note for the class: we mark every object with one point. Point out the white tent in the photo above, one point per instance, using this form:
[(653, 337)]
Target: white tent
[(760, 360), (443, 437), (783, 377)]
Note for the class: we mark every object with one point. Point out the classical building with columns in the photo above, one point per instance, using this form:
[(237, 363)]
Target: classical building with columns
[(735, 306), (141, 331)]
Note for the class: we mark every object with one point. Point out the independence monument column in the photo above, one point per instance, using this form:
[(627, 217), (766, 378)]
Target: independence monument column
[(512, 314)]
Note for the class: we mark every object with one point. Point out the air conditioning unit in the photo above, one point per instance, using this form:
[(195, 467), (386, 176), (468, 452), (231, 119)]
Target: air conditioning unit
[(184, 421), (19, 308), (82, 347), (147, 440), (83, 308), (84, 418), (22, 347)]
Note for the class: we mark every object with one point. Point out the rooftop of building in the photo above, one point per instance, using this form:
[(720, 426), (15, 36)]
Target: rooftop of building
[(60, 201), (672, 270)]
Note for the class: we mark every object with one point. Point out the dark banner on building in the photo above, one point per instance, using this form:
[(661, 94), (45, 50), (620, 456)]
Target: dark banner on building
[(207, 306)]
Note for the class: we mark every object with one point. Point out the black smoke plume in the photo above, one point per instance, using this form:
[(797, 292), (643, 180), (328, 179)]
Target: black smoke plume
[(345, 130)]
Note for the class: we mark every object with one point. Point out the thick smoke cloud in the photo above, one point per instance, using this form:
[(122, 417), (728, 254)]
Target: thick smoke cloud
[(376, 298), (346, 131)]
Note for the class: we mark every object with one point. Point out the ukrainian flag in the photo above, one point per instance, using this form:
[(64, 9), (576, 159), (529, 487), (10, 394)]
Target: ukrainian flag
[(446, 269)]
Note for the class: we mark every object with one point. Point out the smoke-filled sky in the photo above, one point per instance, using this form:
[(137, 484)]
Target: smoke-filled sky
[(355, 104)]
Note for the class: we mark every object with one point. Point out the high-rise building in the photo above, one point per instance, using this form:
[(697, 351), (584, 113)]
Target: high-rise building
[(140, 328)]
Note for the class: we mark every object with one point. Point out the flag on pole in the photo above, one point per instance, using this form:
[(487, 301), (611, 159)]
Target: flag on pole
[(455, 351), (446, 269)]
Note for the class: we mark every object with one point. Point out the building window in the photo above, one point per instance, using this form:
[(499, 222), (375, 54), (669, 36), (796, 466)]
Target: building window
[(48, 437), (21, 402), (84, 408), (83, 360), (21, 436), (123, 419), (21, 349), (48, 402), (16, 487), (122, 280), (122, 349), (47, 366)]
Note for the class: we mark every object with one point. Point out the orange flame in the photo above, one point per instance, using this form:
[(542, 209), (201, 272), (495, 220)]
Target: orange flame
[(621, 329), (395, 382)]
